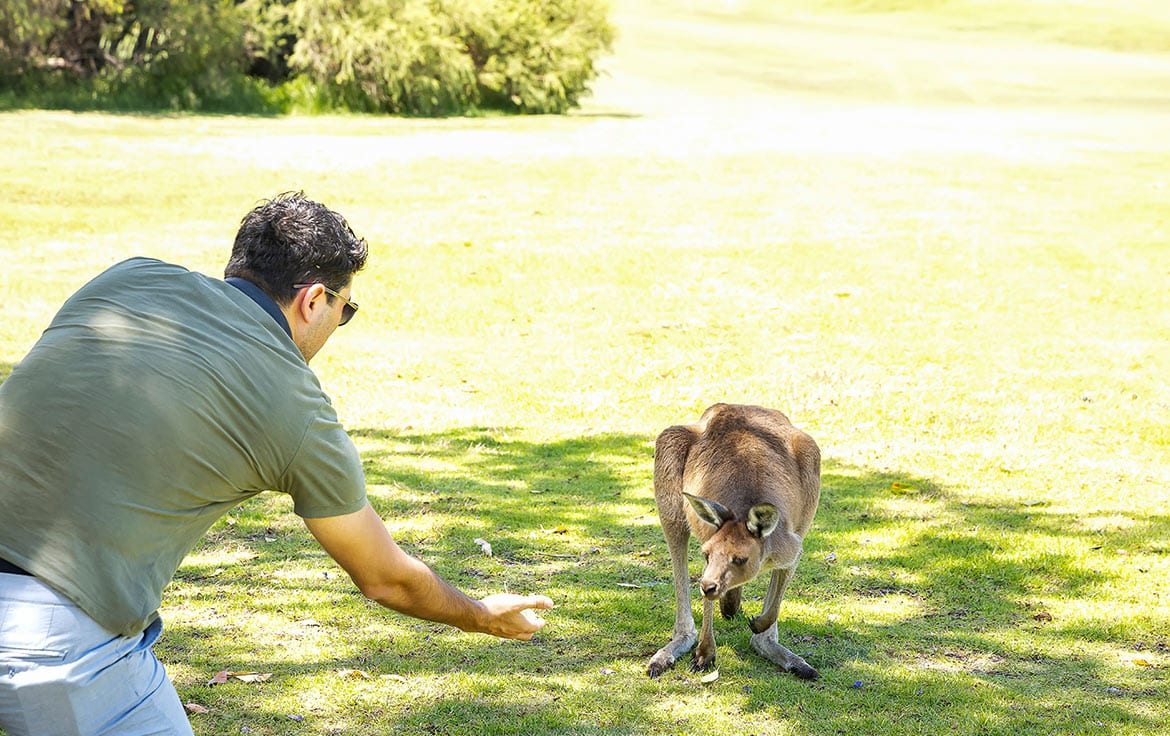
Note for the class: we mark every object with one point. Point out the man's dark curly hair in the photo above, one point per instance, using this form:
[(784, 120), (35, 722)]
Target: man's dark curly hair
[(291, 239)]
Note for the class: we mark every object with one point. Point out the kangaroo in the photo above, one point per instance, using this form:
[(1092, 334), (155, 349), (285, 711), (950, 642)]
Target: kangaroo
[(746, 482)]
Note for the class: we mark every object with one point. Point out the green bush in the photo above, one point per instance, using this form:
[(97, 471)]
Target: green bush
[(184, 55), (269, 37), (421, 57), (530, 55), (40, 35), (170, 54), (382, 55), (429, 57)]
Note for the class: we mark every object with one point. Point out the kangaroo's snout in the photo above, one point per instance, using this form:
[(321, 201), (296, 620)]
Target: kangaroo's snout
[(709, 589)]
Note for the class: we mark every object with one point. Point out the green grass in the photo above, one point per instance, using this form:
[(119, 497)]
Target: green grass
[(962, 298), (1125, 25)]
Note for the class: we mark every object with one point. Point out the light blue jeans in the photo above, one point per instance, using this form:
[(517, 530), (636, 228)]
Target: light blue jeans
[(61, 674)]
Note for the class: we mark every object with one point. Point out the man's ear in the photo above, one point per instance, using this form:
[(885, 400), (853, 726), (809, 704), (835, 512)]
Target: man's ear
[(309, 301)]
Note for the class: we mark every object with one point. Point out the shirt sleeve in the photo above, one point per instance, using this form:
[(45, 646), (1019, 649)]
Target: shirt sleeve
[(325, 477)]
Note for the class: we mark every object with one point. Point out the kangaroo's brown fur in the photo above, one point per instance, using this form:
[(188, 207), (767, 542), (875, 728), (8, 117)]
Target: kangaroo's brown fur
[(746, 482)]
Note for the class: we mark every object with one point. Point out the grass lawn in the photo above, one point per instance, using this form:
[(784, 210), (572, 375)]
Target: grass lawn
[(942, 251)]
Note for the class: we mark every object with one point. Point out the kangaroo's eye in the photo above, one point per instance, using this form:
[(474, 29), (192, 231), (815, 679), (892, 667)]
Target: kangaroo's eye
[(739, 561), (706, 557)]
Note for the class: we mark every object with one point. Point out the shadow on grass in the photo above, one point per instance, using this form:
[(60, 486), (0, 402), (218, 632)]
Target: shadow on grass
[(898, 574), (957, 593)]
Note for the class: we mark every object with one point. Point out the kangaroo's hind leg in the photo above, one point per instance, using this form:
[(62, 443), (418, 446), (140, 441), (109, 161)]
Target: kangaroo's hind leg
[(669, 459), (729, 603), (766, 642)]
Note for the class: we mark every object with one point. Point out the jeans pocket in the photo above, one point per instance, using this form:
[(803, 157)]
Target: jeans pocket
[(12, 655), (26, 632)]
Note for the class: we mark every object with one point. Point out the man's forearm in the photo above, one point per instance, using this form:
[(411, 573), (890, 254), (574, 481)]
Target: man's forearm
[(384, 573), (419, 592)]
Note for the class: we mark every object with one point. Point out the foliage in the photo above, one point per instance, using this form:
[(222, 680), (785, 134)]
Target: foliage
[(438, 56), (532, 55), (181, 55), (269, 37), (383, 55), (401, 56), (53, 33)]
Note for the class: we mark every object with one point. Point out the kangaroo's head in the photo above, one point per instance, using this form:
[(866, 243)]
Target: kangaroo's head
[(736, 550)]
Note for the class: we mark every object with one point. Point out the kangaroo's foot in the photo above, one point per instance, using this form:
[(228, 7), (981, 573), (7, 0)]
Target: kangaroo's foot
[(766, 645), (665, 657)]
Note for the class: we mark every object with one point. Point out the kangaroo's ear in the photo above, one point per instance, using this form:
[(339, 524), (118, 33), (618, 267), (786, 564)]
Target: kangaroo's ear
[(762, 520), (713, 513)]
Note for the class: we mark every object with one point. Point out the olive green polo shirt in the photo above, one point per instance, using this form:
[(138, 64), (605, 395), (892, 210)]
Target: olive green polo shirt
[(157, 399)]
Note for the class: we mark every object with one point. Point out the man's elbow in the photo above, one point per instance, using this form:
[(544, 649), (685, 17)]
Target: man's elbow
[(387, 593)]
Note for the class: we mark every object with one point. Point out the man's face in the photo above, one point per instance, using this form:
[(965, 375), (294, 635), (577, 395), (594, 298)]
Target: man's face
[(325, 315)]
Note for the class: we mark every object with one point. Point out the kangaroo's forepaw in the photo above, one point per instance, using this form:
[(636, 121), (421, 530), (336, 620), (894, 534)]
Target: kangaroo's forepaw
[(702, 662)]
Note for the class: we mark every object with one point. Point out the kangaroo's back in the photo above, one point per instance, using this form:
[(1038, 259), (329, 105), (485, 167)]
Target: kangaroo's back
[(745, 455)]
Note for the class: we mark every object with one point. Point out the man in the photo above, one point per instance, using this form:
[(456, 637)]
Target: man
[(157, 400)]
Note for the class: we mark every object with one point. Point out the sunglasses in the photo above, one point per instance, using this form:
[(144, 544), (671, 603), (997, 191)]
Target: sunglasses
[(347, 312)]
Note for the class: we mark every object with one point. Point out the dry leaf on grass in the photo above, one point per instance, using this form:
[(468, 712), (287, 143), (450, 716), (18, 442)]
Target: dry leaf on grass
[(223, 676), (195, 708)]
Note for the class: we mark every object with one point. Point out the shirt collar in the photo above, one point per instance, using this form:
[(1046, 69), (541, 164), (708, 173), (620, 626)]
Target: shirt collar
[(266, 302)]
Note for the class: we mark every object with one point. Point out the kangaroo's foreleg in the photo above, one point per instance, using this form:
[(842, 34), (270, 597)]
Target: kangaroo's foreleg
[(704, 658)]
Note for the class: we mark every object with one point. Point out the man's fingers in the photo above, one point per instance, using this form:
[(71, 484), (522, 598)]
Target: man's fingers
[(516, 615), (538, 601), (530, 605)]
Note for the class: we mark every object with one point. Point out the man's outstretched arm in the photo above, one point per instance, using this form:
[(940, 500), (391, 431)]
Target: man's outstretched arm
[(360, 543)]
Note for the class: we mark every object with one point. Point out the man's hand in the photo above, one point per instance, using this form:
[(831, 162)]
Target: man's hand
[(510, 616)]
